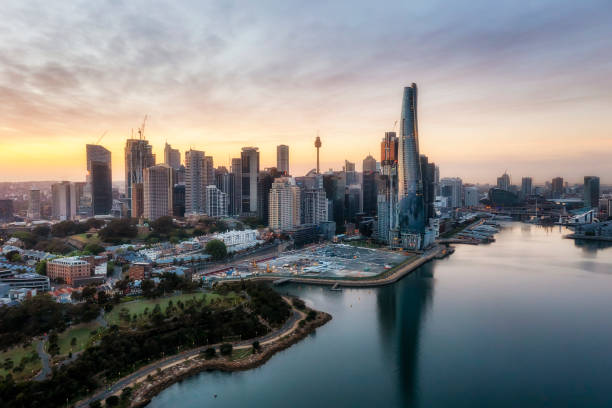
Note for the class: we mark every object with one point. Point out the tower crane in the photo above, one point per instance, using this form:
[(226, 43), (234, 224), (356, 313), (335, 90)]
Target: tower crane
[(141, 129), (101, 137)]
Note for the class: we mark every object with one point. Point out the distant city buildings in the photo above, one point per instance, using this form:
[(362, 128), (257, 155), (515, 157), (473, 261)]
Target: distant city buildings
[(451, 187), (195, 182), (172, 157), (34, 205), (64, 201), (138, 156), (282, 159), (503, 182), (526, 187), (249, 176), (216, 202), (591, 192), (557, 187), (158, 192)]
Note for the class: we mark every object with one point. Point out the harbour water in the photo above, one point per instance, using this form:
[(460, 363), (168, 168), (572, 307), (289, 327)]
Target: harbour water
[(524, 321)]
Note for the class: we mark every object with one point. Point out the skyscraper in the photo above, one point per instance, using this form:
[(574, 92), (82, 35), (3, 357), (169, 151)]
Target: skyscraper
[(249, 158), (388, 149), (526, 187), (216, 202), (34, 204), (282, 159), (64, 201), (195, 185), (556, 190), (225, 182), (369, 164), (237, 173), (451, 189), (591, 192), (158, 189), (172, 157), (503, 182), (138, 156), (410, 181), (99, 183), (285, 203)]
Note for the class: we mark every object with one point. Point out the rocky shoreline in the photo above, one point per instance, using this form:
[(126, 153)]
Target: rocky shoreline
[(155, 384)]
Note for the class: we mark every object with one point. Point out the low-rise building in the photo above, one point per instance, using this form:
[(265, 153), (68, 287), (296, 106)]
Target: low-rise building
[(68, 269), (24, 280), (140, 271)]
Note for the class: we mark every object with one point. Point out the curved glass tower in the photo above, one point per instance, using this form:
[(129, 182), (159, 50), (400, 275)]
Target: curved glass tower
[(410, 181)]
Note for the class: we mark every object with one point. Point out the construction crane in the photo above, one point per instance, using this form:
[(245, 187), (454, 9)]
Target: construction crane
[(141, 129), (101, 137), (394, 125)]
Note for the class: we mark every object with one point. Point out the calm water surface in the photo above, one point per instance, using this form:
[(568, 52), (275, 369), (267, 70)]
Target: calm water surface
[(525, 321)]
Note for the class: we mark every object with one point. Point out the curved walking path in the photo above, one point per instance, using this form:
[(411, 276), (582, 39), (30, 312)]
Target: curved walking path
[(288, 327), (44, 358)]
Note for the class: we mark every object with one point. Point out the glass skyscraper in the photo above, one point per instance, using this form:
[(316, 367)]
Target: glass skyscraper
[(410, 180)]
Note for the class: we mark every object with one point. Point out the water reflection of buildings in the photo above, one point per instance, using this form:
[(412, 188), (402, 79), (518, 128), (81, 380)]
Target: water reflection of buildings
[(402, 310)]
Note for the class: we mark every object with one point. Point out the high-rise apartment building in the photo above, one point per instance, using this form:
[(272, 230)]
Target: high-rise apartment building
[(236, 171), (526, 187), (314, 206), (6, 210), (158, 189), (388, 149), (249, 159), (451, 188), (216, 202), (34, 204), (195, 182), (557, 188), (138, 156), (284, 213), (64, 201), (264, 184), (172, 157), (282, 159), (471, 197), (591, 192), (225, 182), (503, 182)]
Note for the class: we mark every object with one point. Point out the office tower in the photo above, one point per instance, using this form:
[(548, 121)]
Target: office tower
[(178, 200), (503, 182), (369, 164), (249, 158), (64, 201), (410, 181), (236, 170), (335, 187), (137, 200), (172, 157), (282, 159), (195, 183), (264, 184), (6, 210), (370, 193), (314, 206), (318, 146), (388, 149), (437, 181), (451, 189), (216, 202), (428, 173), (225, 183), (158, 192), (97, 193), (591, 192), (138, 156), (34, 205), (353, 203), (284, 201), (526, 187), (471, 196)]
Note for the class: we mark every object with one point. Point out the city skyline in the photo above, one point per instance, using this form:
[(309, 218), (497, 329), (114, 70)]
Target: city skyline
[(490, 87)]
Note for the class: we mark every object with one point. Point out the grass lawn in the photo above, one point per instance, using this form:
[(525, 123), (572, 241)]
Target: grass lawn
[(82, 333), (138, 306), (30, 369), (93, 239), (242, 353)]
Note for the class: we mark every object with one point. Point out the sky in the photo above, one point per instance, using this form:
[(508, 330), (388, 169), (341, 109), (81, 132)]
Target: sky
[(522, 86)]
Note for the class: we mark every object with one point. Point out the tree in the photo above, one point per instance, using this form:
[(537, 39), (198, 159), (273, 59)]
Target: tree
[(116, 230), (95, 404), (73, 342), (94, 248), (148, 288), (256, 346), (13, 256), (41, 267), (112, 401), (210, 353), (163, 225), (226, 349), (217, 249), (42, 231)]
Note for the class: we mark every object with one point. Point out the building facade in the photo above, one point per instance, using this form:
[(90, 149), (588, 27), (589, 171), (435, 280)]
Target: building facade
[(285, 204), (138, 156), (216, 202), (68, 269), (282, 159), (158, 192), (249, 159)]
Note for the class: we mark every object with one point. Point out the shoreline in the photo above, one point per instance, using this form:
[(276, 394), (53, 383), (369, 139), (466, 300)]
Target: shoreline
[(143, 395)]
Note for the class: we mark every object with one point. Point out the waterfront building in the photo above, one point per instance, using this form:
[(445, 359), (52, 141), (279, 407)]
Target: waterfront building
[(34, 205), (216, 202), (410, 181), (471, 197), (557, 188), (64, 201), (138, 156), (195, 183), (451, 188), (353, 201), (428, 173), (334, 185), (591, 192), (526, 187), (282, 159), (236, 171), (172, 157), (158, 192), (369, 164), (503, 182), (68, 269), (284, 212), (249, 175)]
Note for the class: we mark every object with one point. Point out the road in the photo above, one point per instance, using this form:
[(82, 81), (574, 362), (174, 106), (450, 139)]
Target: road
[(289, 326), (44, 358)]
